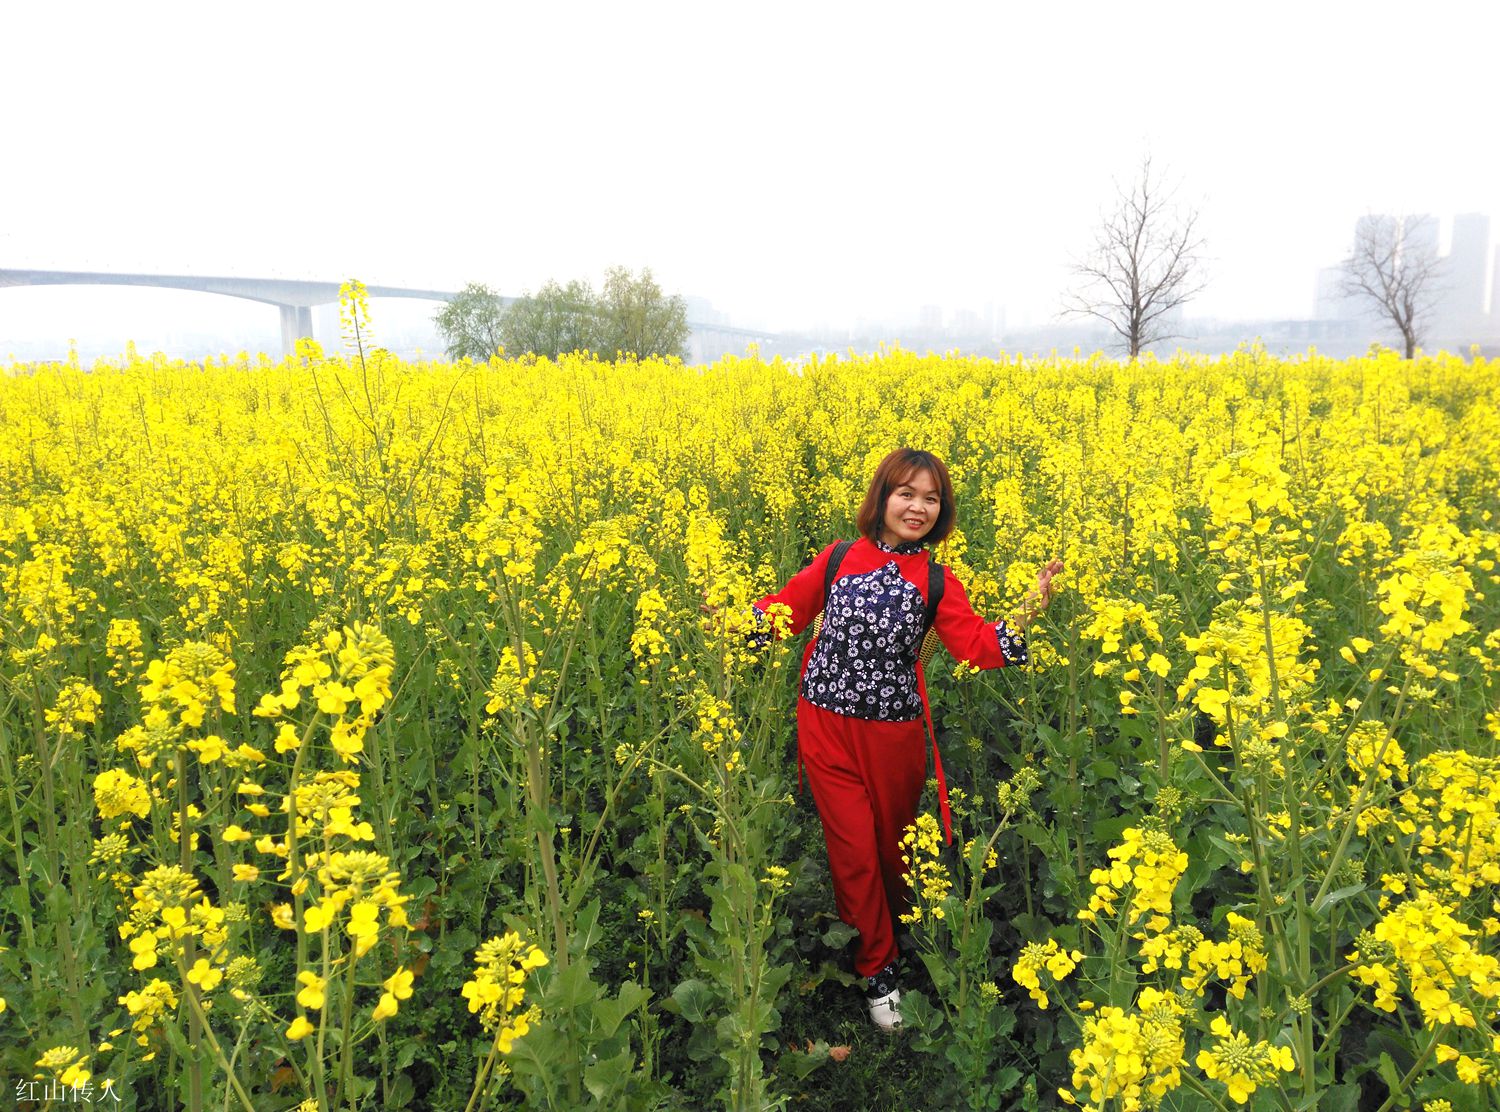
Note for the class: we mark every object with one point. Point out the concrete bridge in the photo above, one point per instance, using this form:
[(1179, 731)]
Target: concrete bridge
[(295, 299)]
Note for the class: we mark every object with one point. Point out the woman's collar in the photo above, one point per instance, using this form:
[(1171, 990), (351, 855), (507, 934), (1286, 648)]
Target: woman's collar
[(905, 548)]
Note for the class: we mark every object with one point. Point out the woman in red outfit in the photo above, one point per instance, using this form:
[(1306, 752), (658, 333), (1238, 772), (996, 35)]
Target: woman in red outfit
[(863, 702)]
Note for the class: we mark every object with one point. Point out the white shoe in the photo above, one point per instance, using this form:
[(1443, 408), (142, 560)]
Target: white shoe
[(885, 1011), (884, 999)]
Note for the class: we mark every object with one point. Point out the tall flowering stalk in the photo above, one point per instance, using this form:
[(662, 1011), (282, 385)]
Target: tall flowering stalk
[(954, 933), (497, 992), (341, 895)]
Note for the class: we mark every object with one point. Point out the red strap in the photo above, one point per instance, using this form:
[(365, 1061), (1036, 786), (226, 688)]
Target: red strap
[(937, 760)]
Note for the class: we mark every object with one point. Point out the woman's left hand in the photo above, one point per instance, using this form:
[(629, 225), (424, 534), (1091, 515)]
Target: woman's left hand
[(1040, 596), (1044, 586)]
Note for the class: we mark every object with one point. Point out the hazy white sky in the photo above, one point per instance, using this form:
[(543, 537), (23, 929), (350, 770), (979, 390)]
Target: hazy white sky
[(793, 163)]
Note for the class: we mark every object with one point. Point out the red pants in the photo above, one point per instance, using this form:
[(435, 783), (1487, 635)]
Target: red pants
[(866, 779)]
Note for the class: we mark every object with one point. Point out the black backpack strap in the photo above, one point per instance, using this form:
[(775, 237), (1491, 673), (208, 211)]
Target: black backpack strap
[(937, 579), (936, 582), (835, 558)]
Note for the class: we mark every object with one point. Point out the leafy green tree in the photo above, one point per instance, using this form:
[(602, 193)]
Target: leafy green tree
[(636, 317), (554, 321), (631, 316), (471, 322)]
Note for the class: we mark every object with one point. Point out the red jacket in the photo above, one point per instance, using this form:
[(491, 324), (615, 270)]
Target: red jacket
[(863, 662)]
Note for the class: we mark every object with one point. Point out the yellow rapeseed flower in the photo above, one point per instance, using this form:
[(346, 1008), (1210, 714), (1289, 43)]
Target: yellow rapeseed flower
[(311, 995)]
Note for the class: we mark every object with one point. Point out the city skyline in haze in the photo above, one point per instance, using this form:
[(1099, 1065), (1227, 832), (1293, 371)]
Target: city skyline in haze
[(1464, 311)]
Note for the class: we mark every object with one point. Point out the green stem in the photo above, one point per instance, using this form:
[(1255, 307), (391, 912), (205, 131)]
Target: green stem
[(191, 992), (325, 975), (1359, 805), (47, 758), (348, 1037), (293, 868), (1202, 1090), (536, 797), (483, 1076), (23, 874), (196, 1023)]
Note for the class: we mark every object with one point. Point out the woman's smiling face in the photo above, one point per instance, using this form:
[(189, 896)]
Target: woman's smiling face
[(912, 508)]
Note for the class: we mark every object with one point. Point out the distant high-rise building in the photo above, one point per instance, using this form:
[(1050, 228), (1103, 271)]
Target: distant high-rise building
[(1495, 295), (1332, 302), (967, 322), (1371, 225), (1414, 236), (1461, 301), (1420, 234), (701, 310)]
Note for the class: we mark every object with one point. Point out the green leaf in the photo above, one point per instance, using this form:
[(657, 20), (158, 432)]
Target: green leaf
[(402, 1091), (1042, 1032), (1108, 831), (1336, 1098), (1335, 896), (537, 1053), (1002, 1021), (938, 969), (731, 1029), (571, 990), (703, 1044), (1388, 1072), (420, 888), (1036, 835), (1233, 854), (1006, 1079), (610, 1013), (1031, 928), (839, 935), (694, 999), (585, 930), (1387, 1043), (797, 1064), (608, 1075), (1075, 744), (917, 1012)]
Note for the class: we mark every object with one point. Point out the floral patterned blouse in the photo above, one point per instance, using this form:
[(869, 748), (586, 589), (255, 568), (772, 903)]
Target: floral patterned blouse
[(864, 660)]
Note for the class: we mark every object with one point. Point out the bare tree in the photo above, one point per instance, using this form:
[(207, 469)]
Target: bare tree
[(1392, 269), (1145, 264)]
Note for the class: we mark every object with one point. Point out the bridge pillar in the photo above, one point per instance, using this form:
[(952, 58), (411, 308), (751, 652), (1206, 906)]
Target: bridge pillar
[(296, 322)]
